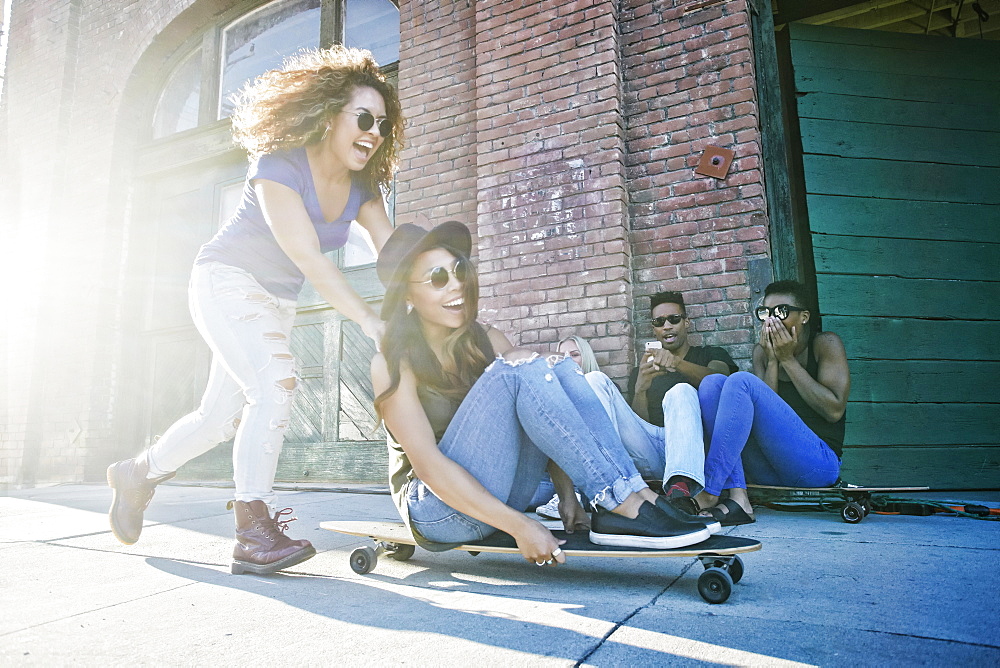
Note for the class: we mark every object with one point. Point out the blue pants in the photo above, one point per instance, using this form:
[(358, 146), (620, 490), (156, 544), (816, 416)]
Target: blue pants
[(515, 418), (743, 416)]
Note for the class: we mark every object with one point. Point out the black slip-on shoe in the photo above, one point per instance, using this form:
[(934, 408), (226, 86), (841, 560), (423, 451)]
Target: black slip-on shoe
[(651, 529), (670, 508)]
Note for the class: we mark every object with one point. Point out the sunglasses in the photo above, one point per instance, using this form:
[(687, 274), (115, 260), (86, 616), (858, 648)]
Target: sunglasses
[(439, 275), (366, 121), (673, 319), (781, 311)]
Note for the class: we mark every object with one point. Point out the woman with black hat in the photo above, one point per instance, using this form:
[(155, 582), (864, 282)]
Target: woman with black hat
[(323, 133), (470, 435)]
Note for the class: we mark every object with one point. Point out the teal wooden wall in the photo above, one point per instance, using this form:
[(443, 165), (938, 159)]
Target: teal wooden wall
[(901, 161)]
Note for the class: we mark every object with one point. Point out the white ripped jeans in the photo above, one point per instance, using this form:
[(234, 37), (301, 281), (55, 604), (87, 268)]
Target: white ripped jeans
[(658, 452), (251, 383)]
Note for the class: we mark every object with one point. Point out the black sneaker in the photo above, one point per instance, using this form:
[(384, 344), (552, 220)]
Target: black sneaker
[(652, 529), (673, 509)]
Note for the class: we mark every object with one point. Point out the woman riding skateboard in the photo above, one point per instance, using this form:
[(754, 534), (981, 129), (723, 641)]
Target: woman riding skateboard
[(470, 435)]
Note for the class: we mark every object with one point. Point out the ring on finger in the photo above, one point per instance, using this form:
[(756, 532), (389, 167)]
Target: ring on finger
[(548, 562), (556, 552), (539, 563)]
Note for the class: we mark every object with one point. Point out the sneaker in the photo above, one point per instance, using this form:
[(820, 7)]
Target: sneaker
[(677, 512), (652, 529), (550, 511)]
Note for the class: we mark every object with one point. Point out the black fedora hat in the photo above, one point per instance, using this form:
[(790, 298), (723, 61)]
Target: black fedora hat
[(408, 241)]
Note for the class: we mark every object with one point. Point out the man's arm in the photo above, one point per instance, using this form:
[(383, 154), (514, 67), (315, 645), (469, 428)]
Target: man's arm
[(639, 385), (694, 373), (827, 393)]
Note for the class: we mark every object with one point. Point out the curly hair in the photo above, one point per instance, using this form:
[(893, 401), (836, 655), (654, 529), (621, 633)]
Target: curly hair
[(290, 107)]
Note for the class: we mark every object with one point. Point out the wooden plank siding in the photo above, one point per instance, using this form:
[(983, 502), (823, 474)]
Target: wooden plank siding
[(331, 435), (901, 161)]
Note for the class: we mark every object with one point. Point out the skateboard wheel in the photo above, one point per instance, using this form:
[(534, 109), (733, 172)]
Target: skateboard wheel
[(401, 551), (363, 560), (736, 569), (852, 513), (715, 585), (866, 505)]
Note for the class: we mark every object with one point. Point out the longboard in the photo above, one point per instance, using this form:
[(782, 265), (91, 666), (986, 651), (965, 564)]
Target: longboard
[(719, 554), (854, 502)]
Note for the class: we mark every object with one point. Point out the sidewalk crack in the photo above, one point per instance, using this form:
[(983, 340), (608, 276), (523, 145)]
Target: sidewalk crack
[(601, 641)]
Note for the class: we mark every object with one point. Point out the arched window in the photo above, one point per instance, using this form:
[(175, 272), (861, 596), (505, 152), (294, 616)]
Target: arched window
[(235, 51), (177, 109), (260, 40)]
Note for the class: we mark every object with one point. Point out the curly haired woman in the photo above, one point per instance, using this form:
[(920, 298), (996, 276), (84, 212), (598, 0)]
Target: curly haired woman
[(323, 134)]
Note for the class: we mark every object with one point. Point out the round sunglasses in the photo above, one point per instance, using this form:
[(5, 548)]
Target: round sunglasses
[(366, 120), (439, 275), (781, 311), (673, 319)]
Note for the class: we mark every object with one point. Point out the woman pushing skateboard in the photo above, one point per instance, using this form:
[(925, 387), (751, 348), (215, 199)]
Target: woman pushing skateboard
[(323, 134)]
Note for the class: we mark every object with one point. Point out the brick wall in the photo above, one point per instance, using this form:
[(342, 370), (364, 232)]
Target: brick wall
[(563, 132), (588, 126), (437, 178), (689, 83), (548, 142)]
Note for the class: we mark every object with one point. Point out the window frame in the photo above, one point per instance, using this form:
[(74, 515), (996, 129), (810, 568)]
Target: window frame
[(331, 31), (211, 139)]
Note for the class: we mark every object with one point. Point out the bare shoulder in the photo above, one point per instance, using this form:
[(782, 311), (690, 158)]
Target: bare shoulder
[(379, 369), (382, 378), (828, 345), (501, 343)]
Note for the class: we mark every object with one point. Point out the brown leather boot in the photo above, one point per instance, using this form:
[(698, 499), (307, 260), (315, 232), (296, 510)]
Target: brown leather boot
[(132, 494), (261, 544)]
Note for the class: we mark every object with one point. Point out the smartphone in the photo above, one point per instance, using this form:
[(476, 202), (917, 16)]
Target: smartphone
[(653, 345)]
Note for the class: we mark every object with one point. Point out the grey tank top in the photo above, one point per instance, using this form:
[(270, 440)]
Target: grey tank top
[(440, 410)]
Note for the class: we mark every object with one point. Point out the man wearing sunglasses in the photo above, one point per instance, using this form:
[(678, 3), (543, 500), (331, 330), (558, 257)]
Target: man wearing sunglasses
[(784, 423), (662, 390), (677, 361)]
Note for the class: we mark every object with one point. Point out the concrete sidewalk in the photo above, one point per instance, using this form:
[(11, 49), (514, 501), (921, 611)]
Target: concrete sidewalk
[(893, 590)]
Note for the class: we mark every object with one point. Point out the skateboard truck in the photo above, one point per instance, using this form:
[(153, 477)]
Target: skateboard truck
[(721, 573), (364, 559)]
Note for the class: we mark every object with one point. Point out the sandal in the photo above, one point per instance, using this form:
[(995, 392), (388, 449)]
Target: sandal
[(732, 516), (685, 504)]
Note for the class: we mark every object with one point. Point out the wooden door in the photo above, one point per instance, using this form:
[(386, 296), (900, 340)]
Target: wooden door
[(901, 160), (332, 434)]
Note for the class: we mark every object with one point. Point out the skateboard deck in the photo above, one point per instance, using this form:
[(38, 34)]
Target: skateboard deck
[(854, 502), (718, 554)]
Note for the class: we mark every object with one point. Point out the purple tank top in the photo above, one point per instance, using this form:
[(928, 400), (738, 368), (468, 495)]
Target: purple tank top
[(246, 240)]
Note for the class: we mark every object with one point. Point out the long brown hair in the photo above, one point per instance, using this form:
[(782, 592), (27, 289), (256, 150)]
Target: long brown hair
[(290, 107), (468, 346)]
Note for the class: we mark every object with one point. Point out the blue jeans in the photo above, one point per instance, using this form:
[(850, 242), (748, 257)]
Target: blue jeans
[(515, 418), (743, 416), (659, 453)]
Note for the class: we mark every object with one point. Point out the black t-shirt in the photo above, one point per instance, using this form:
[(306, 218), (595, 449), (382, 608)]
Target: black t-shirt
[(700, 355)]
